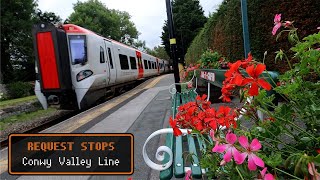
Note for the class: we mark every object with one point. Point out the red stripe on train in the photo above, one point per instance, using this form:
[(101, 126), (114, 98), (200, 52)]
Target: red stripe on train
[(47, 60), (140, 67)]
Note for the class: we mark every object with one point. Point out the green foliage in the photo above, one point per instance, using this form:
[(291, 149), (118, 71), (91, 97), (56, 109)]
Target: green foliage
[(94, 15), (210, 60), (15, 102), (16, 44), (26, 116), (188, 18), (19, 89), (49, 17), (17, 18), (159, 51)]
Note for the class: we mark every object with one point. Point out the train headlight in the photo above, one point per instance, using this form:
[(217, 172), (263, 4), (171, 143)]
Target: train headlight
[(84, 74)]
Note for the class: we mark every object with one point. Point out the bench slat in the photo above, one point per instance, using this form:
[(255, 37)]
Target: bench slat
[(167, 174), (195, 167), (178, 158)]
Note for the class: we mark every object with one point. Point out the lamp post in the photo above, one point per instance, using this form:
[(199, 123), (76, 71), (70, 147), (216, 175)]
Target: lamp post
[(173, 45), (245, 29)]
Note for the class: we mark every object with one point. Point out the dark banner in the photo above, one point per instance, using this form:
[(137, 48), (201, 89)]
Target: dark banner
[(71, 154)]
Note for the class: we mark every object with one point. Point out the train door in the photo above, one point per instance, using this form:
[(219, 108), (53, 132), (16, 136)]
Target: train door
[(112, 76), (140, 67), (157, 65)]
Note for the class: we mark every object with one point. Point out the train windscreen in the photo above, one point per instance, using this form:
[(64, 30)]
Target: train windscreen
[(78, 50)]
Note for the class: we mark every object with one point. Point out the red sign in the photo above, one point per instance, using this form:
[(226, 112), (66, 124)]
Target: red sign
[(208, 76)]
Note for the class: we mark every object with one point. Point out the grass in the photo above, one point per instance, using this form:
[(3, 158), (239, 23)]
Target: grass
[(13, 102), (4, 123)]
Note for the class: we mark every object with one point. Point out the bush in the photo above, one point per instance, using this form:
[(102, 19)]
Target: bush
[(223, 30), (210, 60), (19, 89)]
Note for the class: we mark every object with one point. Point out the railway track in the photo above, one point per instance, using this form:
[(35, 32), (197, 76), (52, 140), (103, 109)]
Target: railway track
[(64, 115)]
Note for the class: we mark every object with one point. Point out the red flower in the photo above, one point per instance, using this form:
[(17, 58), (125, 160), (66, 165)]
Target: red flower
[(226, 116), (254, 80), (247, 61), (203, 102), (173, 124)]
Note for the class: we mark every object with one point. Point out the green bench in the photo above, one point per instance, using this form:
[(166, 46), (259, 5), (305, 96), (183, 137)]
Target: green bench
[(178, 168), (173, 162)]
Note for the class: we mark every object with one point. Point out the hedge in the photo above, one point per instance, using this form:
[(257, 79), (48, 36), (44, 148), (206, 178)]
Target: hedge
[(223, 31)]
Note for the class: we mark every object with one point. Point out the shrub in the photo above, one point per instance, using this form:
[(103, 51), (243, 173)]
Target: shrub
[(19, 89), (211, 60)]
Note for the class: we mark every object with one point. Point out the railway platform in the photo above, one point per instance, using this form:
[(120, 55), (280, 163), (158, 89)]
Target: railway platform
[(140, 111)]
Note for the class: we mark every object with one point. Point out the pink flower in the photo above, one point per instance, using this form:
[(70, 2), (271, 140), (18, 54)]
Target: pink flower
[(211, 133), (318, 28), (189, 85), (277, 23), (253, 160), (188, 175), (265, 176), (287, 23), (313, 171), (229, 149)]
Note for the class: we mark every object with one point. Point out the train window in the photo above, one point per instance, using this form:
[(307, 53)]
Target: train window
[(78, 49), (124, 61), (102, 60), (145, 64), (133, 62), (110, 58), (149, 63)]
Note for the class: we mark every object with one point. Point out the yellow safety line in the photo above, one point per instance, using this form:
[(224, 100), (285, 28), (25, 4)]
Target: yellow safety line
[(71, 126)]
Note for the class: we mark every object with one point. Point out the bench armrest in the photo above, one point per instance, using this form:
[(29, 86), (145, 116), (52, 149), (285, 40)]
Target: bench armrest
[(160, 151)]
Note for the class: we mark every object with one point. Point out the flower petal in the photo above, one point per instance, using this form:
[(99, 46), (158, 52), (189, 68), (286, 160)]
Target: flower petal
[(255, 145), (188, 175), (243, 141), (176, 131), (239, 157), (275, 28), (251, 165), (263, 172), (213, 125), (219, 148), (231, 138), (253, 91), (258, 161), (259, 69), (268, 177), (238, 80), (227, 157), (250, 70), (264, 84), (277, 18)]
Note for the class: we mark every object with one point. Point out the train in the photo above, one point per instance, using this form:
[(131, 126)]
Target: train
[(76, 67)]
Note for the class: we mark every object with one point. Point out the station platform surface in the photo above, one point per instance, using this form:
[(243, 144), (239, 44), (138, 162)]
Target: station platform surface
[(140, 111)]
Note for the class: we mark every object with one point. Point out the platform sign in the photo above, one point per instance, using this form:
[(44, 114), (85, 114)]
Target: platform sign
[(210, 76), (69, 154)]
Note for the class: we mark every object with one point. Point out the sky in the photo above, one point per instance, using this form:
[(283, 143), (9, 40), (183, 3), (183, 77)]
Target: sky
[(147, 15)]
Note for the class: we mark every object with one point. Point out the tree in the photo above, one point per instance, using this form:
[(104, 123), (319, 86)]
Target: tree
[(16, 41), (114, 24), (159, 51), (50, 17), (188, 18)]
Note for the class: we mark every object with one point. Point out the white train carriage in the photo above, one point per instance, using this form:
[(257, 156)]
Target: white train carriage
[(76, 67)]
